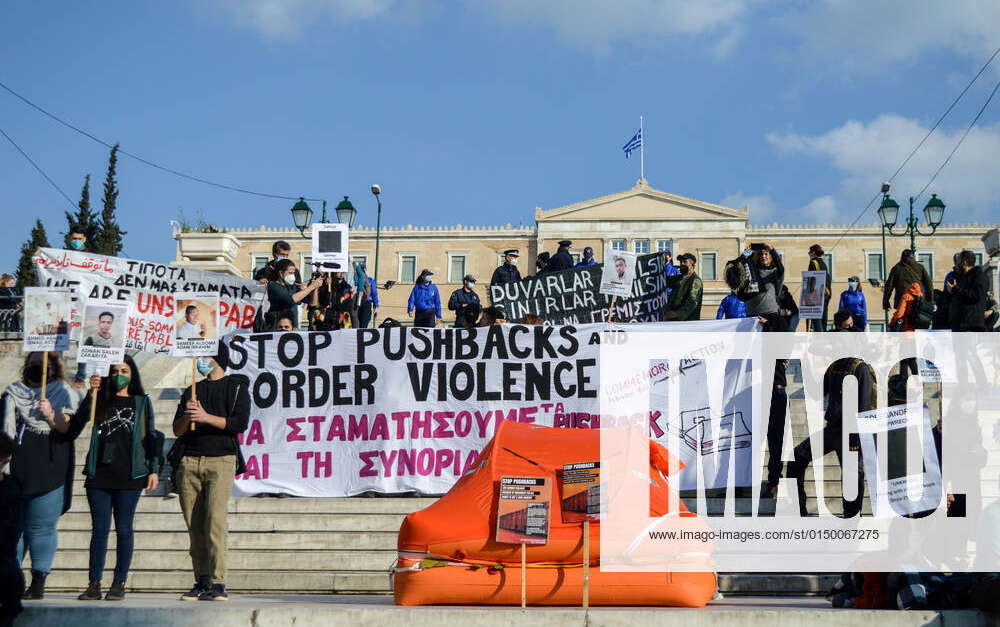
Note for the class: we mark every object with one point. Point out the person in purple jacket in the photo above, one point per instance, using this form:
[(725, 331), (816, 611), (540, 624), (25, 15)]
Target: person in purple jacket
[(424, 304), (853, 300)]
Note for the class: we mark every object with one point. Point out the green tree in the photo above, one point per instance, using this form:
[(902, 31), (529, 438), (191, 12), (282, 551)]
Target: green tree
[(84, 218), (25, 268), (109, 240)]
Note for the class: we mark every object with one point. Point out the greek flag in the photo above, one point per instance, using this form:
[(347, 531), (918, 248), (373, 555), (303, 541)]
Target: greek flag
[(633, 144)]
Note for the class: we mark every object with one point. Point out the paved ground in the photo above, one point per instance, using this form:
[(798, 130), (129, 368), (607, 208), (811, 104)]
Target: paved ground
[(266, 610)]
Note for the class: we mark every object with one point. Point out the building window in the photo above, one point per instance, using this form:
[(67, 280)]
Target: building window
[(617, 244), (306, 267), (707, 263), (456, 267), (665, 245), (641, 246), (407, 268), (359, 258), (876, 326), (979, 258), (927, 261), (258, 262), (828, 258), (873, 266)]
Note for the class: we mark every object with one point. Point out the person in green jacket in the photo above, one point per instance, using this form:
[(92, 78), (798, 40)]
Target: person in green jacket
[(684, 302), (904, 274), (125, 457)]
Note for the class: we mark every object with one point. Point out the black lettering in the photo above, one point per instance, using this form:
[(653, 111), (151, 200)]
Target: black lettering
[(365, 376), (291, 383), (283, 341), (259, 399)]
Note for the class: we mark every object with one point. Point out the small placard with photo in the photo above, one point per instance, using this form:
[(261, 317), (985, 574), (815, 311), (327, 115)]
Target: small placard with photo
[(196, 324), (47, 314), (102, 338)]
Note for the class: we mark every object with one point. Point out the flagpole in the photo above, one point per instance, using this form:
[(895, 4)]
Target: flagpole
[(642, 152)]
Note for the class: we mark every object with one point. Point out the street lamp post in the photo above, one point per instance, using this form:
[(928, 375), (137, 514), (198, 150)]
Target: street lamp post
[(888, 212), (302, 216), (377, 191)]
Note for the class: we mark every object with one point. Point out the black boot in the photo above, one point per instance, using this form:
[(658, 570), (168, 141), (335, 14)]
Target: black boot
[(36, 590), (92, 593), (117, 591)]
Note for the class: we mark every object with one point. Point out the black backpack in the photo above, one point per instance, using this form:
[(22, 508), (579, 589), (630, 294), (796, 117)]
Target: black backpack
[(922, 313)]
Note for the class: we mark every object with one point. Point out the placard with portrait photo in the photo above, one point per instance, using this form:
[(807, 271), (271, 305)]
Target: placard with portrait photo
[(196, 324)]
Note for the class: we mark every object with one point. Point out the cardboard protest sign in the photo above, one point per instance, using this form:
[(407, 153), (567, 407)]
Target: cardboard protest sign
[(523, 505), (574, 296), (812, 295), (150, 287), (102, 339), (330, 247), (581, 492), (618, 272), (196, 329), (47, 314)]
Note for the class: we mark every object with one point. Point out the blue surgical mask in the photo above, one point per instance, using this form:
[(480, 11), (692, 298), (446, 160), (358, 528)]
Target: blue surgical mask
[(204, 366), (747, 253), (76, 244), (852, 284), (427, 280)]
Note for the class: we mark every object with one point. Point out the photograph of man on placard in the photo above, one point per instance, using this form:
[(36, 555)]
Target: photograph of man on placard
[(192, 326), (618, 273), (103, 333)]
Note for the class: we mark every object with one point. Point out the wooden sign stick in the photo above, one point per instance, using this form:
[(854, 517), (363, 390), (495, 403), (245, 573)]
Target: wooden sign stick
[(524, 576), (45, 371), (194, 390), (586, 565), (611, 309), (93, 404)]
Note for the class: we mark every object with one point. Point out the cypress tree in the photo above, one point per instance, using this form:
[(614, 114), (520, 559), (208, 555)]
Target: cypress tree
[(84, 218), (109, 240), (25, 268)]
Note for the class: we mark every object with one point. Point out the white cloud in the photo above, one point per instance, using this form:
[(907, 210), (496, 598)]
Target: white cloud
[(764, 209), (284, 19), (865, 154)]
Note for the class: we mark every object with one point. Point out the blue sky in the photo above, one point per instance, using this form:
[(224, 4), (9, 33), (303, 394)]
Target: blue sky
[(476, 112)]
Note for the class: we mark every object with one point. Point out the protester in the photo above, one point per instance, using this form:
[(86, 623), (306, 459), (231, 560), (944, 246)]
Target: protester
[(492, 316), (279, 250), (954, 270), (368, 307), (588, 258), (43, 459), (507, 273), (767, 266), (731, 307), (902, 275), (11, 527), (542, 263), (333, 304), (462, 301), (788, 310), (843, 320), (209, 458), (904, 318), (853, 300), (424, 304), (942, 304), (968, 289), (562, 260), (286, 321), (78, 240), (284, 291), (125, 457), (684, 302), (817, 264)]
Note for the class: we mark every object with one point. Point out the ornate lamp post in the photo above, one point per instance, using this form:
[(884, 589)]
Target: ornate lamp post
[(302, 215), (346, 213)]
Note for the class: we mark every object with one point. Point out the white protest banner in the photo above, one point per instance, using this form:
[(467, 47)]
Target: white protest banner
[(47, 314), (408, 409), (329, 247), (812, 295), (196, 324), (618, 272), (102, 339), (150, 287)]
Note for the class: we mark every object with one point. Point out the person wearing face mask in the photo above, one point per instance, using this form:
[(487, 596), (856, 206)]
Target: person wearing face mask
[(853, 300), (124, 458), (588, 258), (507, 273), (77, 240), (684, 302), (424, 304), (205, 465), (770, 274), (334, 304), (43, 458), (284, 293), (464, 301)]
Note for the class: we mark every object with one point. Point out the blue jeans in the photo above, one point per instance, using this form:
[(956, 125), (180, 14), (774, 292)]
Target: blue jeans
[(102, 504), (40, 519)]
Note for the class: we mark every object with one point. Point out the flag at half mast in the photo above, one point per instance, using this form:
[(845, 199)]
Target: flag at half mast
[(633, 144)]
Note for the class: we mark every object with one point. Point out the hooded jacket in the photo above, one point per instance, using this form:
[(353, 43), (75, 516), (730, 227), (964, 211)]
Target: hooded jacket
[(424, 297), (731, 307), (905, 309), (854, 302), (902, 275)]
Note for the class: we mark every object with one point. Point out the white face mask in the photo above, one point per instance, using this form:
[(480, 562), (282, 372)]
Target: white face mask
[(512, 261), (290, 279)]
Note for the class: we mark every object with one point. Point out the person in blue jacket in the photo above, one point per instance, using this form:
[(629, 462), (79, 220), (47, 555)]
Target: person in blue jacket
[(853, 300), (588, 258), (424, 305), (731, 307)]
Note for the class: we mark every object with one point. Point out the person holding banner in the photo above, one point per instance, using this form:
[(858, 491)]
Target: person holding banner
[(125, 456), (43, 458), (209, 459)]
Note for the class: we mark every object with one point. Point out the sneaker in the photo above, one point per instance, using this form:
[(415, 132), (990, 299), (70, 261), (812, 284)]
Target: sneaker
[(195, 593), (92, 593), (117, 592), (216, 593)]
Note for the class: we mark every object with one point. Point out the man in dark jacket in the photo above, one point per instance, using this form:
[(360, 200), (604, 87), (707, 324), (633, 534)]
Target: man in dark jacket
[(967, 291), (462, 301), (507, 273), (684, 302), (588, 258), (562, 260), (207, 429), (904, 274)]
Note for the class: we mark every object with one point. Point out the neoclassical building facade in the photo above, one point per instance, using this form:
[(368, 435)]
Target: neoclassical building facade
[(641, 218)]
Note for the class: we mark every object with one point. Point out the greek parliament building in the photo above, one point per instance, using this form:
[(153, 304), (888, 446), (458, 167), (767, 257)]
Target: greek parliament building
[(642, 219)]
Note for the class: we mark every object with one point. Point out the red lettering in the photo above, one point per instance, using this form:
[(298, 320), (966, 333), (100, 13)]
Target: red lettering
[(296, 433)]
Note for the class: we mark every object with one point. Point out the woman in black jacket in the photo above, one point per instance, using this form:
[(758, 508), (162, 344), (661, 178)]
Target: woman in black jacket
[(125, 457)]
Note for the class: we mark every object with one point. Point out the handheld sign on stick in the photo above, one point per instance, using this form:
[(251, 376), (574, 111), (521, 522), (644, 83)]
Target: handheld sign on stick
[(329, 247), (194, 388), (47, 314), (45, 372), (196, 330), (581, 501), (102, 340), (523, 517)]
